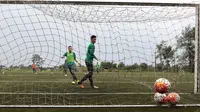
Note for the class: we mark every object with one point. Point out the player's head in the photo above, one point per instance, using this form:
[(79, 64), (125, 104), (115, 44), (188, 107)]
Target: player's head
[(93, 39), (70, 48)]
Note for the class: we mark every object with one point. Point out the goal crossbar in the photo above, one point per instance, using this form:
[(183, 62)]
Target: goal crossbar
[(95, 3)]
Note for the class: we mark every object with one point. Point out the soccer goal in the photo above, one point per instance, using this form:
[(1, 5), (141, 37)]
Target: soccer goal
[(137, 43)]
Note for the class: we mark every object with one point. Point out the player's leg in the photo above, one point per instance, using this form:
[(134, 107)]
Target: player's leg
[(35, 71), (86, 75), (72, 71), (84, 78), (91, 80), (97, 71), (65, 68), (91, 69)]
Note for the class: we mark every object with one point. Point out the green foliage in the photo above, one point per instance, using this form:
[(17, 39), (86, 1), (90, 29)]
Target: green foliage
[(36, 58), (186, 44), (108, 65), (143, 66), (165, 53), (112, 67), (121, 65)]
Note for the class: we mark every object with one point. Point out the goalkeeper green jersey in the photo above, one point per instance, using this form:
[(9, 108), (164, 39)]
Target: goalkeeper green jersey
[(90, 53), (70, 56)]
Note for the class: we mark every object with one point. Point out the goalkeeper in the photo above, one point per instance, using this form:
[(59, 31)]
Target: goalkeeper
[(70, 64), (89, 63)]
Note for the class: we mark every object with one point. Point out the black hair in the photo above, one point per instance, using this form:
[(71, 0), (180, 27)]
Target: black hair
[(69, 46), (93, 36)]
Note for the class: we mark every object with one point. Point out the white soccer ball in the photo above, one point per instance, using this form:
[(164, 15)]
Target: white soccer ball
[(160, 98), (173, 98), (162, 85)]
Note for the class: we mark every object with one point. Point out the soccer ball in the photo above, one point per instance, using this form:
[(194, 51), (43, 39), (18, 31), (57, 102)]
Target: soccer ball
[(173, 98), (162, 85), (160, 98)]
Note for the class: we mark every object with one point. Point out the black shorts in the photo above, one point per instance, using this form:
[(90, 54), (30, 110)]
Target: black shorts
[(34, 69), (89, 66)]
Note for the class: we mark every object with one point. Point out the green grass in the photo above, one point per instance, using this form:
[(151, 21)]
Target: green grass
[(29, 89), (100, 110)]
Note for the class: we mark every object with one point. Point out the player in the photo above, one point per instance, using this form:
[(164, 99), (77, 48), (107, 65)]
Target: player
[(34, 68), (89, 63), (97, 67), (70, 64), (37, 66)]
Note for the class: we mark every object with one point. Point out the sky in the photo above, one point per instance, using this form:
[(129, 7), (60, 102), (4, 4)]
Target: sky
[(124, 34)]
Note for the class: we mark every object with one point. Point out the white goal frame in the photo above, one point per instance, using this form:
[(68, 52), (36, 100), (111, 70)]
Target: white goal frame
[(197, 50)]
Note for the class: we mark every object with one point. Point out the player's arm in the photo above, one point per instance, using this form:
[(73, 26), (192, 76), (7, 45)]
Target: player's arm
[(91, 51), (64, 55), (76, 59)]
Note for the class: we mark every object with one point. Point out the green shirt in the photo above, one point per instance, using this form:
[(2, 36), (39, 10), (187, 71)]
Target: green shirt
[(90, 53), (97, 66), (70, 56), (37, 64)]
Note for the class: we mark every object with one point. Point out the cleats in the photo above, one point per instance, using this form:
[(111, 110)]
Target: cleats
[(95, 87), (73, 82), (82, 86), (77, 82)]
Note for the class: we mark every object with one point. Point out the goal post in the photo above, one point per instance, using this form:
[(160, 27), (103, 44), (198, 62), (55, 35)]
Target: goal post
[(137, 43), (197, 39)]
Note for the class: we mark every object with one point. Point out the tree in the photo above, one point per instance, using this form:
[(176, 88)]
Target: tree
[(108, 65), (185, 42), (143, 66), (135, 66), (21, 66), (159, 51), (168, 55), (29, 66), (165, 54), (121, 65), (114, 65), (37, 59)]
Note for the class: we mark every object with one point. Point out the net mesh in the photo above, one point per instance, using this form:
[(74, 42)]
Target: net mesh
[(128, 45)]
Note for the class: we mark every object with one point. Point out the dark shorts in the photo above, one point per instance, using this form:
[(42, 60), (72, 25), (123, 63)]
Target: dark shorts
[(34, 69), (89, 66), (70, 66), (65, 66)]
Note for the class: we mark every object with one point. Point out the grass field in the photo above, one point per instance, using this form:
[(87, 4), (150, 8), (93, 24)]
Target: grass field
[(124, 88)]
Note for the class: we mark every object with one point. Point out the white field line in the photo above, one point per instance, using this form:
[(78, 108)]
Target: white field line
[(97, 106), (66, 81), (120, 93)]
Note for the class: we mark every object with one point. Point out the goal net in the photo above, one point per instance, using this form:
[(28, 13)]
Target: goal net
[(136, 44)]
